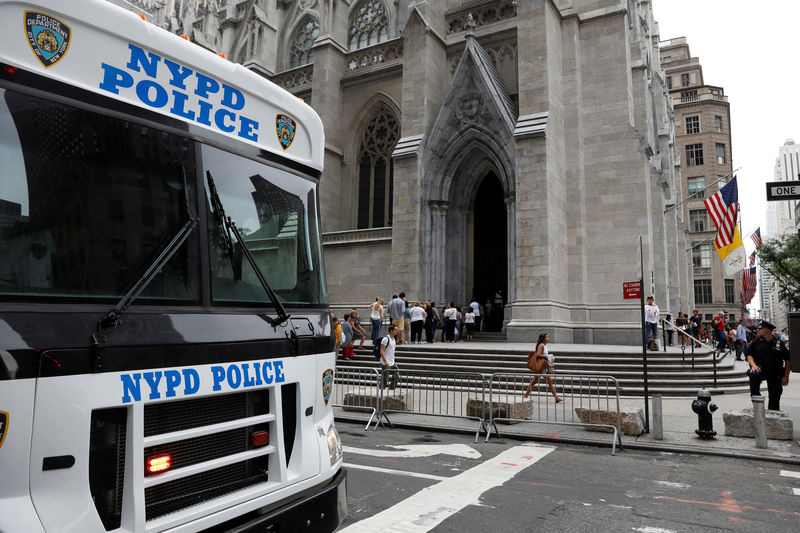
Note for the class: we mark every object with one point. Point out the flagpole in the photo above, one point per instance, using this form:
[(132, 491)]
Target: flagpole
[(694, 196)]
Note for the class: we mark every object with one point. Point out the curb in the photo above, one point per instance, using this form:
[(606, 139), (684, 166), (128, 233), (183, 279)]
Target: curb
[(672, 448)]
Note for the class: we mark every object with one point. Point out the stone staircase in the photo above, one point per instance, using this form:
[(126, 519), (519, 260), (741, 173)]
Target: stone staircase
[(668, 373)]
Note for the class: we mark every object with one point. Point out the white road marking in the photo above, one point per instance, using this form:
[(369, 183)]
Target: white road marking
[(789, 473), (796, 491), (649, 529), (431, 506), (672, 484), (397, 472), (420, 450)]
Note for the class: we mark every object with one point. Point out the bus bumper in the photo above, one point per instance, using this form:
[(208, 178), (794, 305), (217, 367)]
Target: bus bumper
[(321, 512)]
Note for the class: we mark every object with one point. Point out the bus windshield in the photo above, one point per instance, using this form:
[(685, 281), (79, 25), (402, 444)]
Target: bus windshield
[(87, 201)]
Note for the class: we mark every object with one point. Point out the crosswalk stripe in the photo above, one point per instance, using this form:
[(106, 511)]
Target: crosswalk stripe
[(395, 472), (789, 473), (431, 506)]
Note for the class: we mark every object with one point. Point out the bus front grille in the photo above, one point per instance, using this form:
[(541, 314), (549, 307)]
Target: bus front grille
[(209, 445), (197, 489)]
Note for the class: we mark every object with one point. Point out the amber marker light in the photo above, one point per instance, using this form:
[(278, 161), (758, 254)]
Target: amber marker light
[(158, 464)]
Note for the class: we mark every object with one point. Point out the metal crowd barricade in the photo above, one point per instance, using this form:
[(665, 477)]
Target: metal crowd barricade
[(358, 389), (436, 393), (596, 396)]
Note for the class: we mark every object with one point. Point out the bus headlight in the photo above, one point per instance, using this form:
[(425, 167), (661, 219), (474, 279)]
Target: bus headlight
[(334, 445)]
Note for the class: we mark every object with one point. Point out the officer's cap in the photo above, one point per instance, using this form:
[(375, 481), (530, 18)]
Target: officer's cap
[(768, 325)]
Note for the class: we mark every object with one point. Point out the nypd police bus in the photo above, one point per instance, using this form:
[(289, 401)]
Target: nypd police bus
[(165, 350)]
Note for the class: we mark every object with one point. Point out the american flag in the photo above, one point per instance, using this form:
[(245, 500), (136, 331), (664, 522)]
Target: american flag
[(756, 236), (752, 259), (748, 285), (724, 210)]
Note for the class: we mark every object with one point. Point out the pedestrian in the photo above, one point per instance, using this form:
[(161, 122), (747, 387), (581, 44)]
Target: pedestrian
[(459, 322), (651, 319), (347, 343), (388, 364), (358, 331), (535, 363), (450, 318), (396, 309), (785, 336), (696, 321), (769, 361), (682, 323), (417, 319), (336, 332), (488, 315), (719, 331), (476, 311), (429, 321), (376, 318), (668, 328), (407, 323), (437, 320), (470, 320)]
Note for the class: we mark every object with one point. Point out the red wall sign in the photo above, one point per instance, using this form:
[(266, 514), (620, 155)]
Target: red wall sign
[(632, 290)]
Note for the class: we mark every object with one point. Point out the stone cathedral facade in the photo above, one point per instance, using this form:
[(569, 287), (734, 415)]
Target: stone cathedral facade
[(477, 148)]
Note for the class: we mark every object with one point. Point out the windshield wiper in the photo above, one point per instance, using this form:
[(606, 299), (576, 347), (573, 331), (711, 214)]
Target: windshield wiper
[(229, 226), (112, 318)]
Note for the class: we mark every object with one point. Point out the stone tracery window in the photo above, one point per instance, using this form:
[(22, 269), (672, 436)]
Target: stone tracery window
[(300, 52), (376, 170), (369, 25)]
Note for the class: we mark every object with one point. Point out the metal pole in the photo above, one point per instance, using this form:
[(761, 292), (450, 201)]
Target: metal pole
[(759, 421), (658, 418), (644, 337)]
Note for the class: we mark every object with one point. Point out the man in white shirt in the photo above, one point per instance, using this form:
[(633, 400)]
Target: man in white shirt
[(476, 310), (651, 319), (388, 365), (741, 339)]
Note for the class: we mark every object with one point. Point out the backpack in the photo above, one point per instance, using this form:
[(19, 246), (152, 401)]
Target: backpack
[(376, 349)]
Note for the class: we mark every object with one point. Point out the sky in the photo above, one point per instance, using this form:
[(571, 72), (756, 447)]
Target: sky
[(749, 49)]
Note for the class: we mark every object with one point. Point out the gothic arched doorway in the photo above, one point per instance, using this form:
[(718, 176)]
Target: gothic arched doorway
[(489, 247)]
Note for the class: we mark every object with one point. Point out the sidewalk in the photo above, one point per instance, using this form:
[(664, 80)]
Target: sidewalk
[(679, 421)]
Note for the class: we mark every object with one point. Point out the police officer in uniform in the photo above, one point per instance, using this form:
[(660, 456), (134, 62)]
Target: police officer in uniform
[(766, 356)]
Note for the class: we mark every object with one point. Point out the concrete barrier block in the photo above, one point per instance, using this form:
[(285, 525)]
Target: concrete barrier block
[(519, 410), (780, 425), (358, 399), (631, 422)]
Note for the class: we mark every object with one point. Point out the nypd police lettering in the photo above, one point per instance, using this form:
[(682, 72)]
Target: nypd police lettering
[(170, 383), (217, 104)]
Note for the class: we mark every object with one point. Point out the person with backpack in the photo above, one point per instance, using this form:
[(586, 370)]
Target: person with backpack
[(347, 329), (388, 365)]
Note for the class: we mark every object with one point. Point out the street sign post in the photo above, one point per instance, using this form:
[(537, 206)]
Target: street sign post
[(783, 190)]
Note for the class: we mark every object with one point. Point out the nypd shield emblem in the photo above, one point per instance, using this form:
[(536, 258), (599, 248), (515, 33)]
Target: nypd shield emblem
[(48, 37), (327, 385), (285, 127), (3, 426)]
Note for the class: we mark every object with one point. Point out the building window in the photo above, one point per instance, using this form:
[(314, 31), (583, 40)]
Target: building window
[(684, 80), (729, 297), (694, 155), (702, 291), (698, 220), (301, 52), (369, 25), (689, 96), (720, 154), (692, 125), (696, 186), (669, 82), (701, 256), (718, 124), (375, 171)]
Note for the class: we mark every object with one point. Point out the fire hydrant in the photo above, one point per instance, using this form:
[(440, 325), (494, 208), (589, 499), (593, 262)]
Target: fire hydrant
[(703, 407)]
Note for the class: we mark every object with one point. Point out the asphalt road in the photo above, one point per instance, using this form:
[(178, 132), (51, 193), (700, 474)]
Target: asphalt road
[(412, 482)]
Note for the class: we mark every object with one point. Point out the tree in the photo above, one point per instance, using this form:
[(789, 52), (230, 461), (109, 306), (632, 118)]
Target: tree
[(781, 258)]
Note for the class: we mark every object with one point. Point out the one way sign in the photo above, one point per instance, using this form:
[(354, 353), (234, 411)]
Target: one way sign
[(783, 190)]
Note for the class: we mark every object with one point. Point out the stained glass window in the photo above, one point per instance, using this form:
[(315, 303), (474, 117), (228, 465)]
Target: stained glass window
[(369, 25), (375, 171), (300, 52)]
